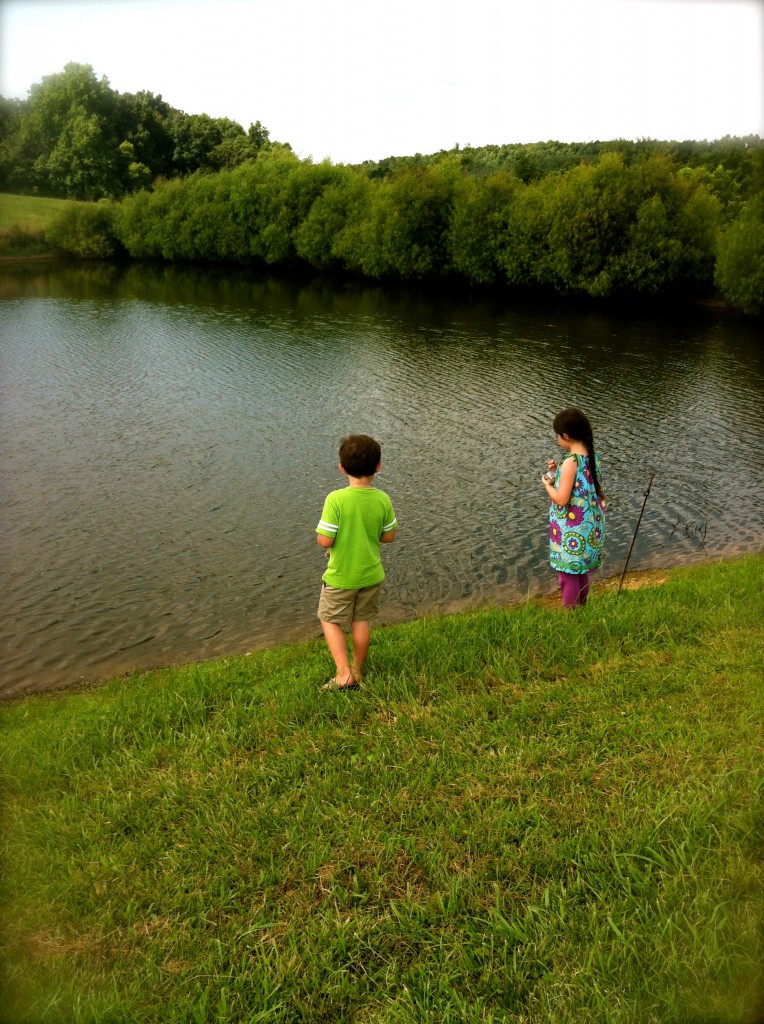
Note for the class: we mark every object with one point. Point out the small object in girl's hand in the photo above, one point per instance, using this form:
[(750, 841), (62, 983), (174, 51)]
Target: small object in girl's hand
[(548, 476)]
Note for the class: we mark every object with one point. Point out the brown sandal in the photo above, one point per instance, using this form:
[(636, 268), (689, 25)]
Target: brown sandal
[(335, 684)]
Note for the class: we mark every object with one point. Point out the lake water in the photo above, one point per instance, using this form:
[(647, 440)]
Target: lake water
[(169, 435)]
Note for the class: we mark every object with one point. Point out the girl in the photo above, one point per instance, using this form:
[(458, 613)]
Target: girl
[(577, 510)]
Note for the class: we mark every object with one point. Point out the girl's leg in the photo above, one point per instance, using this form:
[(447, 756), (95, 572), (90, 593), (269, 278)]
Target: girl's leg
[(568, 588), (584, 585)]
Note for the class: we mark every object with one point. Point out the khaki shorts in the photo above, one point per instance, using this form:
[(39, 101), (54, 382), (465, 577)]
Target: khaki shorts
[(343, 607)]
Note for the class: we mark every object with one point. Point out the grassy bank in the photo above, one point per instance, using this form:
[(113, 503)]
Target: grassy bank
[(23, 222), (522, 816)]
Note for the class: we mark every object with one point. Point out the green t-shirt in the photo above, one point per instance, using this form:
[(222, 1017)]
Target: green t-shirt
[(356, 517)]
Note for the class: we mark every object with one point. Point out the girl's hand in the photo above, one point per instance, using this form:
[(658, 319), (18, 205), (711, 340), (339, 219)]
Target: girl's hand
[(561, 495), (551, 466)]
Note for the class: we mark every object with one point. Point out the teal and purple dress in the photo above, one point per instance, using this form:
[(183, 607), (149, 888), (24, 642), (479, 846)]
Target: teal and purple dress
[(577, 530)]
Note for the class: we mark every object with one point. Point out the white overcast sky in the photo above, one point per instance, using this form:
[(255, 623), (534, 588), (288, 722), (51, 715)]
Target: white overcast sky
[(353, 80)]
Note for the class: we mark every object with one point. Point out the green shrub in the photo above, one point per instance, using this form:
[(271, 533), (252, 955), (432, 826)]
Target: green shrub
[(740, 259), (85, 230), (21, 240)]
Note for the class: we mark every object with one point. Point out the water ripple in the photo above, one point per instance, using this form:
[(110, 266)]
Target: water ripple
[(165, 461)]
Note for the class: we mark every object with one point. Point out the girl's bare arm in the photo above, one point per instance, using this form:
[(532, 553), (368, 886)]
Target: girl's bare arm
[(561, 496)]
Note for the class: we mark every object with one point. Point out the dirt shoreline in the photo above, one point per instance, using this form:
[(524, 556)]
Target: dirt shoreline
[(37, 258), (635, 579)]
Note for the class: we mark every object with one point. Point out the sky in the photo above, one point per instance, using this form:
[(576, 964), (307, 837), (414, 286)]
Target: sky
[(351, 80)]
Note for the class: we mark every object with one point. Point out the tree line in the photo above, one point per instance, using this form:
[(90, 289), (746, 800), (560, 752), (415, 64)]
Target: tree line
[(602, 219), (605, 229), (74, 137)]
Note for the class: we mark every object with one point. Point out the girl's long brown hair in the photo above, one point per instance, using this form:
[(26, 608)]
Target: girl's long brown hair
[(575, 424)]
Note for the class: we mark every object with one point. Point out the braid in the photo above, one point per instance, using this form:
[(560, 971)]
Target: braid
[(593, 466)]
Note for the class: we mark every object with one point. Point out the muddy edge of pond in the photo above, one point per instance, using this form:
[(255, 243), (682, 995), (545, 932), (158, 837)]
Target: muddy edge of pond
[(635, 579)]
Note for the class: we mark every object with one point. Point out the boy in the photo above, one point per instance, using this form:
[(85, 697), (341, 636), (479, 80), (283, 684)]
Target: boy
[(355, 520)]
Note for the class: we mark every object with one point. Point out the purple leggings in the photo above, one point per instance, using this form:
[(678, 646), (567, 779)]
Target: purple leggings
[(574, 588)]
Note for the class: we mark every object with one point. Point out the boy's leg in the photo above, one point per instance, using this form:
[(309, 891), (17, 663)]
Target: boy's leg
[(366, 607), (361, 633), (338, 648)]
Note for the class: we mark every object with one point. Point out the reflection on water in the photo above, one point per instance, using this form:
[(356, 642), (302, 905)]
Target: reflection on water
[(169, 435)]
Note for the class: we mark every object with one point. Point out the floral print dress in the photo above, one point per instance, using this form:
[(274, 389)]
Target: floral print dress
[(577, 530)]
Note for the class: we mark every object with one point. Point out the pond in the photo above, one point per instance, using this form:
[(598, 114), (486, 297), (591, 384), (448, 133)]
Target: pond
[(169, 435)]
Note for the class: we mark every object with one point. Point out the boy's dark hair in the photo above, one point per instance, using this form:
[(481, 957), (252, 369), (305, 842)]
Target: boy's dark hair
[(360, 455)]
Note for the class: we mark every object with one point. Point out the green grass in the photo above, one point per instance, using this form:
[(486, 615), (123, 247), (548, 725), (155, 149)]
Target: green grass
[(523, 816), (32, 212), (23, 221)]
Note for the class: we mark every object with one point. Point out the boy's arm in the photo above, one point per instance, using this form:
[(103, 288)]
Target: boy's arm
[(390, 528), (328, 524), (390, 525)]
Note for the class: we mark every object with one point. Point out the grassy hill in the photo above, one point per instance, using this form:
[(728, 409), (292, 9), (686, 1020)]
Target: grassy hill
[(23, 220), (524, 815)]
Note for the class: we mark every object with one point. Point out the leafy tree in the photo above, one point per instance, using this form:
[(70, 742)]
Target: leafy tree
[(740, 259), (324, 236), (236, 148), (196, 220), (232, 151), (697, 223), (67, 141), (526, 165), (11, 172), (606, 229), (204, 143), (590, 210), (525, 254), (671, 241), (165, 223), (652, 253), (75, 137), (9, 114), (720, 182), (406, 235), (144, 124), (353, 199), (204, 227), (259, 137), (136, 174), (133, 220), (479, 225), (271, 197)]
